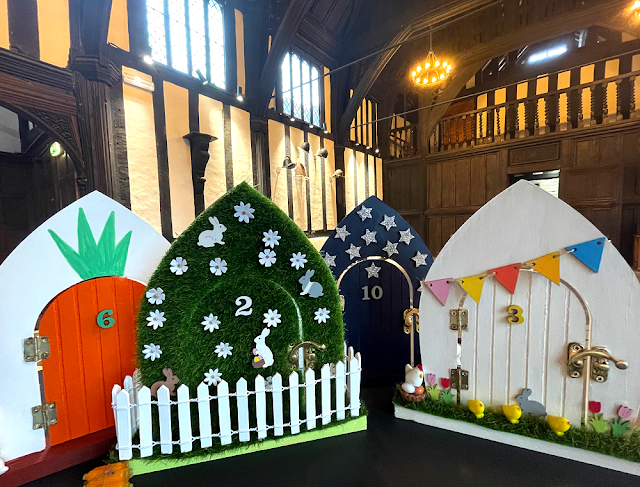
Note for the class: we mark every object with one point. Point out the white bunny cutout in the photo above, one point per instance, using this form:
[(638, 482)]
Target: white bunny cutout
[(209, 238), (262, 349)]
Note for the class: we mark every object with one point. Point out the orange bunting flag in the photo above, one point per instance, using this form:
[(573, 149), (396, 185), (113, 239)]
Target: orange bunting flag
[(547, 265), (507, 276), (473, 285)]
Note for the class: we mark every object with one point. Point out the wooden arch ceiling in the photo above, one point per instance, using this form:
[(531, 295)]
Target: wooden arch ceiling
[(497, 28)]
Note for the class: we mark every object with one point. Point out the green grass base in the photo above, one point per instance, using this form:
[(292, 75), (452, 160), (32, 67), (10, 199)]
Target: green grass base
[(142, 466), (625, 447)]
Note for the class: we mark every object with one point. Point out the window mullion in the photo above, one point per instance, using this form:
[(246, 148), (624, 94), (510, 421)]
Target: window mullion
[(207, 41), (187, 25), (167, 32), (293, 103)]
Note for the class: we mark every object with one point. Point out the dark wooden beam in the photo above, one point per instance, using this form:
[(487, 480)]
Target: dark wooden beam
[(23, 27), (160, 125), (292, 19)]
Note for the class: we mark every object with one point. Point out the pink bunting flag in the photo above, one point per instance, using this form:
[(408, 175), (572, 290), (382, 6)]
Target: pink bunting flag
[(440, 288)]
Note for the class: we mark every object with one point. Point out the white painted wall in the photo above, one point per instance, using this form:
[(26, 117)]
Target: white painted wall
[(520, 224), (9, 132), (33, 274)]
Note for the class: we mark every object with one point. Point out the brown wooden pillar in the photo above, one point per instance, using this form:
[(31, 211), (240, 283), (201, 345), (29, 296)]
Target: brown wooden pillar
[(260, 154), (199, 144)]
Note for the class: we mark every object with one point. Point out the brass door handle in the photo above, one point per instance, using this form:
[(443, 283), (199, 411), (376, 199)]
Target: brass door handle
[(309, 356), (599, 366)]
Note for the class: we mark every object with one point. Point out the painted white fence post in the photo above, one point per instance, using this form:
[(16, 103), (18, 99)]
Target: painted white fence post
[(276, 394), (184, 419), (294, 403), (124, 425), (144, 414), (224, 413), (204, 415), (243, 409), (354, 387), (325, 376), (114, 393), (310, 386), (164, 416), (340, 390), (133, 397), (261, 407)]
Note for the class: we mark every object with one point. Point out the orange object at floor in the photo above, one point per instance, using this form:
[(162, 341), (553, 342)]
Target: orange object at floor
[(91, 329), (112, 475)]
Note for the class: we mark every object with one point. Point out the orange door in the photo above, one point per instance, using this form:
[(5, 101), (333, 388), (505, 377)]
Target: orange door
[(88, 359)]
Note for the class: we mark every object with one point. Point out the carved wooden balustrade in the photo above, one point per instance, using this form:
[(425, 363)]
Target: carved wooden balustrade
[(403, 141)]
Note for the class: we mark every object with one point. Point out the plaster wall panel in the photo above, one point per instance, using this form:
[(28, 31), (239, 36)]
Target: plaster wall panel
[(330, 186), (278, 175), (327, 99), (299, 183), (349, 178), (119, 25), (371, 169), (241, 146), (176, 105), (362, 177), (315, 182), (4, 25), (53, 27), (587, 74), (141, 152), (379, 181), (611, 69), (212, 122), (240, 49)]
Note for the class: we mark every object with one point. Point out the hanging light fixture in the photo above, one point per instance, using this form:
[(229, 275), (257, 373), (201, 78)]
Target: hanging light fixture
[(432, 72)]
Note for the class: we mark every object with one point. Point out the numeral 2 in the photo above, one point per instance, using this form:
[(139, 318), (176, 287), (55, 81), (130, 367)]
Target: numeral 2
[(244, 309)]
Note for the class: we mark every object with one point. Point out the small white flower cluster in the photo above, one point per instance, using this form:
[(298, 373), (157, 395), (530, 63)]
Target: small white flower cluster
[(156, 320), (272, 318), (211, 323), (218, 266), (244, 212)]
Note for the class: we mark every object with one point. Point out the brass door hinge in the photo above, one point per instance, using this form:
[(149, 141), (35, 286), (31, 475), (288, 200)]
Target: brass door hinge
[(44, 415), (459, 379), (458, 319), (36, 349)]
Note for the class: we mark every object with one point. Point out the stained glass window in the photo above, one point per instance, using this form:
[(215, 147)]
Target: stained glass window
[(301, 97), (188, 35)]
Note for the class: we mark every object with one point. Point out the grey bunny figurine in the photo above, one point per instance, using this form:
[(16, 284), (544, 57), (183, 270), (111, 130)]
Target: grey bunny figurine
[(534, 408), (313, 289)]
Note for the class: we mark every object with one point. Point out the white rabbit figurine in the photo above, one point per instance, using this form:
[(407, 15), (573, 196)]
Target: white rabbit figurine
[(209, 238), (413, 377), (262, 350), (313, 289)]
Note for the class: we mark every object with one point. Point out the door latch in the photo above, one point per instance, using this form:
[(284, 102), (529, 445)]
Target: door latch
[(408, 322), (36, 349), (599, 364), (44, 415), (458, 319)]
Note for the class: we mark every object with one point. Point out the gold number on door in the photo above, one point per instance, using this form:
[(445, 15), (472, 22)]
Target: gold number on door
[(514, 314)]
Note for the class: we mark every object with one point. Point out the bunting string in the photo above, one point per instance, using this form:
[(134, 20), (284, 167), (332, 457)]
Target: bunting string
[(589, 253)]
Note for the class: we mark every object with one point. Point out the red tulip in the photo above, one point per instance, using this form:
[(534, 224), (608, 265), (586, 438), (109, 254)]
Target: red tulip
[(445, 383), (594, 407)]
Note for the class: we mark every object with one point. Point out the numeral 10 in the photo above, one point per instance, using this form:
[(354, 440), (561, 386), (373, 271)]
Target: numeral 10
[(376, 293)]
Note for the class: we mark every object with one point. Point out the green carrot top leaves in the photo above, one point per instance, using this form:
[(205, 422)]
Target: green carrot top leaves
[(105, 258)]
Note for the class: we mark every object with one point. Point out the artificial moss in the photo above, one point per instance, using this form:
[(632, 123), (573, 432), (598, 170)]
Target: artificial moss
[(187, 348), (626, 447)]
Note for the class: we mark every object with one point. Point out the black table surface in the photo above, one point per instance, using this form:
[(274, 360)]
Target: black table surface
[(391, 452)]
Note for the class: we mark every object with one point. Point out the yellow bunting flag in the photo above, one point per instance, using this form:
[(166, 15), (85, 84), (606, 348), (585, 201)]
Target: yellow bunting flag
[(473, 285), (547, 265)]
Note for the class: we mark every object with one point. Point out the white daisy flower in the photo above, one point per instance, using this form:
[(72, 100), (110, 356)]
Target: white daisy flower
[(218, 266), (298, 260), (267, 258), (178, 266), (243, 212), (155, 295), (272, 318), (213, 377), (211, 323), (152, 351), (271, 238), (322, 315), (156, 319), (223, 350)]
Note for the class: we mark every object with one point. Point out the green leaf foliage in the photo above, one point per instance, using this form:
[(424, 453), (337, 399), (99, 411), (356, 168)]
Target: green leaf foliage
[(105, 258), (187, 348)]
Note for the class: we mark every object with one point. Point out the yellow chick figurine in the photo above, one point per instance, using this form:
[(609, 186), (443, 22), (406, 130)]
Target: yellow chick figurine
[(512, 413), (476, 407), (558, 424)]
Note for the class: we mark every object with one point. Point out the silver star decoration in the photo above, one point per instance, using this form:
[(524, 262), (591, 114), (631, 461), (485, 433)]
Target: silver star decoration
[(353, 252), (420, 259), (330, 260), (341, 233), (372, 270), (405, 236), (391, 248), (369, 237), (388, 222), (364, 213)]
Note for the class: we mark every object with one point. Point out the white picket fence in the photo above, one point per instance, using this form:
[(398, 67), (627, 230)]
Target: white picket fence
[(132, 408)]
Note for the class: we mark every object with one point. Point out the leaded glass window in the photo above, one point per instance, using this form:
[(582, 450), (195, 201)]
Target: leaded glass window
[(188, 35), (301, 97)]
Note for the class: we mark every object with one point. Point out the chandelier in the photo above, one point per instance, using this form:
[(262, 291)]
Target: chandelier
[(432, 72)]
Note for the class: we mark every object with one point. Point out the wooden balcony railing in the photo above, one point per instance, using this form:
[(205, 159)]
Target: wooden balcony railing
[(403, 141)]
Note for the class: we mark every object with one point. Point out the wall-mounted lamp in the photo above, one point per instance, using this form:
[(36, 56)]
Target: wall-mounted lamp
[(377, 151), (292, 119), (323, 152), (137, 81), (239, 95), (147, 59), (337, 174), (305, 146)]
